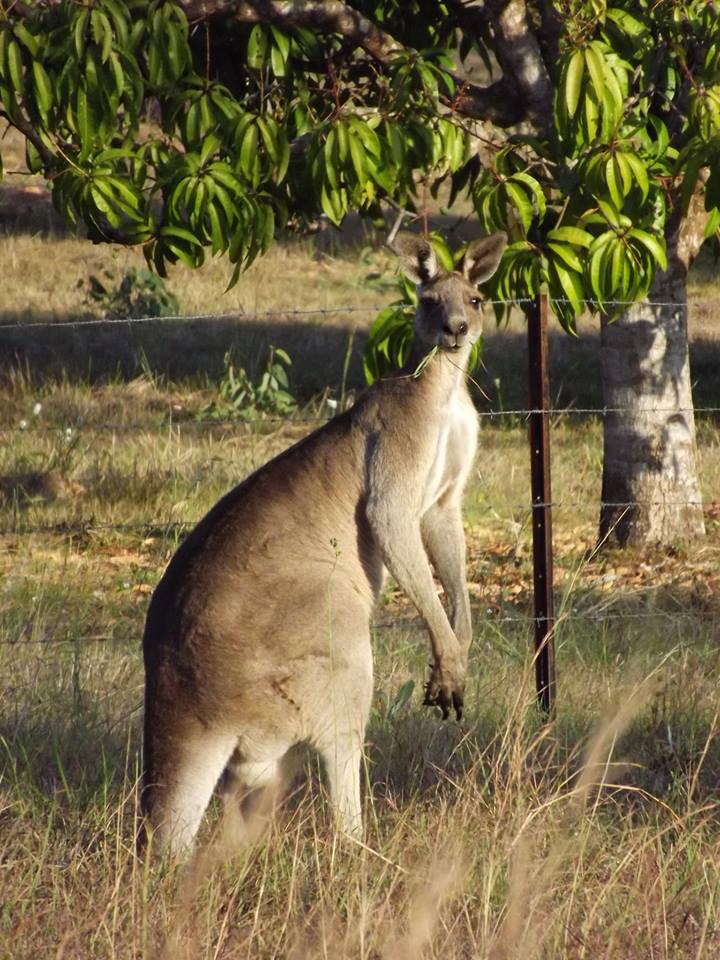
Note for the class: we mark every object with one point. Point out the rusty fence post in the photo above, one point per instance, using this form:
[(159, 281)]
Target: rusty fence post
[(537, 317)]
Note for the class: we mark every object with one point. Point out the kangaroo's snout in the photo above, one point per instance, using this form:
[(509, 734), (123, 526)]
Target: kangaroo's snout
[(453, 333)]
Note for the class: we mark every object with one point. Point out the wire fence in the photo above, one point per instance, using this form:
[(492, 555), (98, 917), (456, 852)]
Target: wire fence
[(170, 528), (523, 413), (409, 624), (332, 311)]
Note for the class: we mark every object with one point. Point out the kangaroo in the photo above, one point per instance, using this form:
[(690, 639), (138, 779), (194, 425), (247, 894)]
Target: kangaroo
[(258, 634)]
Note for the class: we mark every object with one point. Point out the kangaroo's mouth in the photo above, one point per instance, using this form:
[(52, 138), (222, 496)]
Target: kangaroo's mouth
[(451, 342)]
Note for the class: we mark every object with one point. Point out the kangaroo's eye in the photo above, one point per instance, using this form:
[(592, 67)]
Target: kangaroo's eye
[(475, 302)]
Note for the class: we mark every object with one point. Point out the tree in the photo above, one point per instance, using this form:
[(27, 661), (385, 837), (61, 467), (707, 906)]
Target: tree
[(599, 144)]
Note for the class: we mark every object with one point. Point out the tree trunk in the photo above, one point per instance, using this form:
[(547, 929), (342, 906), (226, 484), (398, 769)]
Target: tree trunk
[(650, 489)]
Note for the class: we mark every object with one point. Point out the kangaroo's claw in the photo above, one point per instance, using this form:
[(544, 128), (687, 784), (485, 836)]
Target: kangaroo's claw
[(436, 696)]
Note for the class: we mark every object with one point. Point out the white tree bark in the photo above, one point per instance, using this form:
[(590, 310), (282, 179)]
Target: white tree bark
[(650, 489)]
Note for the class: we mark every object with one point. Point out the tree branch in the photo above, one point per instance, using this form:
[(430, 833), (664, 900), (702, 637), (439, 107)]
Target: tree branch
[(330, 16), (20, 123), (520, 58)]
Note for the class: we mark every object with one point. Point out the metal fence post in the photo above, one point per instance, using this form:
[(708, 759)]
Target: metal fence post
[(539, 392)]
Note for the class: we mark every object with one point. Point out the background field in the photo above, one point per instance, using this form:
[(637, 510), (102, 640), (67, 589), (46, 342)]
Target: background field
[(598, 837)]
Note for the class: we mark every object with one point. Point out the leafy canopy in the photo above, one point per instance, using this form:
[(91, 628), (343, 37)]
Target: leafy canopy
[(188, 127)]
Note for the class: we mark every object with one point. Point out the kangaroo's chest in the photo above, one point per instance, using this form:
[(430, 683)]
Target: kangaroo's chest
[(454, 451)]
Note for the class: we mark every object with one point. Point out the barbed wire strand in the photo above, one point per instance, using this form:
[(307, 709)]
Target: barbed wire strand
[(229, 315), (330, 311), (191, 318), (407, 623), (168, 527), (77, 427)]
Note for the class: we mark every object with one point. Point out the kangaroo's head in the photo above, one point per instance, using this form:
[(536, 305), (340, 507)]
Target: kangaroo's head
[(449, 312)]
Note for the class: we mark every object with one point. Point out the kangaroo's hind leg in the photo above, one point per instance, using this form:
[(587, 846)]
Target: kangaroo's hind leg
[(180, 781), (251, 786), (340, 731)]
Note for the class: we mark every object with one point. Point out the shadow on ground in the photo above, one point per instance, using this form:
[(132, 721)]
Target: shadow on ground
[(194, 350)]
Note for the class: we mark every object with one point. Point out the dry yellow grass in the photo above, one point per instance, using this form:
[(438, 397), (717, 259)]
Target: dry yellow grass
[(491, 840)]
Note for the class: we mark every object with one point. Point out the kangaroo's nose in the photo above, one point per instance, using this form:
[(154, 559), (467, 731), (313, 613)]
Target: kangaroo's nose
[(456, 328)]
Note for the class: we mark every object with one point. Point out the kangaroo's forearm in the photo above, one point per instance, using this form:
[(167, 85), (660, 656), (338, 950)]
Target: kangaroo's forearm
[(442, 534)]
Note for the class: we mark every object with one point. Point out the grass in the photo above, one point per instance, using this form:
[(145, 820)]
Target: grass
[(596, 836), (498, 838)]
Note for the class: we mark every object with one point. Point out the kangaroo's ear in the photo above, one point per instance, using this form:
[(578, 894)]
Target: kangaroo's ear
[(417, 257), (482, 258)]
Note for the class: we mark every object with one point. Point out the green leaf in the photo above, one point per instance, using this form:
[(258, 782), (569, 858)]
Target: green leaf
[(248, 152), (521, 202), (182, 253), (331, 202), (623, 172), (567, 255), (217, 233), (119, 15), (597, 270), (107, 41), (210, 145), (343, 141), (581, 238), (591, 118), (84, 120), (713, 223), (268, 230), (610, 213), (616, 266), (15, 66), (257, 47), (532, 184), (197, 203), (282, 42), (639, 172), (573, 81), (118, 74), (443, 251), (131, 196), (222, 173), (267, 132), (613, 187), (571, 283), (357, 154), (655, 247), (173, 231), (284, 157), (32, 158), (28, 40), (80, 32), (174, 49), (277, 61), (626, 22), (596, 67), (368, 136), (330, 170), (612, 97), (43, 89)]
